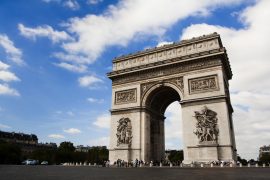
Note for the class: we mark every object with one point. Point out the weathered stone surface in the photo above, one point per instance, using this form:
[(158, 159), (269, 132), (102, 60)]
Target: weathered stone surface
[(194, 72)]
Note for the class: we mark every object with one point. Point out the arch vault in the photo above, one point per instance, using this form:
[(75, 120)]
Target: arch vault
[(195, 73)]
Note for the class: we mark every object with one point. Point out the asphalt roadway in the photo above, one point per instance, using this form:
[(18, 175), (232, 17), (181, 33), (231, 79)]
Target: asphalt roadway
[(20, 172)]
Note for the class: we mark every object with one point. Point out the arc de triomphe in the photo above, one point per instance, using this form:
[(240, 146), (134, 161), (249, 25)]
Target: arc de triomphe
[(193, 72)]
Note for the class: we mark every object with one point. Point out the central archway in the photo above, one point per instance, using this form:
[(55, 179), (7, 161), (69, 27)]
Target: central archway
[(156, 101)]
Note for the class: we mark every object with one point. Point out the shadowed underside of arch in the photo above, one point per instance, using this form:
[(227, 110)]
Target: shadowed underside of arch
[(160, 98)]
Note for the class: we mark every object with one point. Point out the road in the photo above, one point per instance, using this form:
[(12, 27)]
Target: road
[(20, 172)]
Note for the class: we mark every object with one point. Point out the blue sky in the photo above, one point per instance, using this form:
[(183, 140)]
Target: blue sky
[(54, 56)]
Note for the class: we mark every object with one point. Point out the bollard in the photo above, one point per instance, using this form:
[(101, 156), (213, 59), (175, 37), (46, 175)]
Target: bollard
[(80, 163), (160, 165), (248, 165), (263, 165), (95, 164), (181, 165), (191, 165), (89, 164), (231, 165), (211, 165), (77, 164), (151, 164), (171, 165), (240, 165), (201, 164), (140, 164), (256, 165), (221, 165)]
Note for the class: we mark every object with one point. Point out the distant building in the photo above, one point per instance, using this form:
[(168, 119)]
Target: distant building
[(264, 150), (20, 138), (27, 142), (81, 148)]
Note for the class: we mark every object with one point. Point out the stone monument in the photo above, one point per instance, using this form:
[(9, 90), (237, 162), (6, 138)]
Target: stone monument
[(194, 72)]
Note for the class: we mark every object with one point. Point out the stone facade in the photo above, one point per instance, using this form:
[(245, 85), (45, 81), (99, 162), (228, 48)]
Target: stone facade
[(194, 72)]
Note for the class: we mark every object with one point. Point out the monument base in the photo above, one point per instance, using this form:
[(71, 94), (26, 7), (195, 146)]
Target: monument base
[(205, 152), (123, 152)]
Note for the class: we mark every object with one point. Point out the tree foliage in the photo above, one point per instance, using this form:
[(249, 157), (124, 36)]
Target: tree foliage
[(265, 158), (12, 154), (176, 156), (9, 153)]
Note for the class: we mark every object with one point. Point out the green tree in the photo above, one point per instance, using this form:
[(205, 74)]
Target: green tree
[(176, 156), (265, 158), (242, 161), (44, 155), (66, 146), (9, 153), (65, 153), (98, 155)]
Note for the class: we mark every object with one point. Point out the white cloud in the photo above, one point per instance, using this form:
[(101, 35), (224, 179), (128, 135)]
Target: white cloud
[(103, 121), (94, 1), (131, 19), (163, 43), (102, 141), (119, 24), (3, 66), (56, 136), (79, 59), (43, 31), (72, 131), (13, 53), (72, 4), (5, 74), (8, 76), (88, 81), (94, 100), (6, 90), (3, 126), (72, 67), (248, 50), (173, 126), (48, 1)]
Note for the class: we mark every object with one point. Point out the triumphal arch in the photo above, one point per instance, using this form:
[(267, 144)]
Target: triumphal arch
[(194, 72)]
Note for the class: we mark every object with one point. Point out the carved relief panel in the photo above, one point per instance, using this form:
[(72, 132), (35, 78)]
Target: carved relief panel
[(126, 96), (176, 81), (124, 132), (206, 126), (203, 84)]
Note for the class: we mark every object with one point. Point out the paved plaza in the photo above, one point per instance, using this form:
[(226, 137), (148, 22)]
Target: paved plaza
[(11, 172)]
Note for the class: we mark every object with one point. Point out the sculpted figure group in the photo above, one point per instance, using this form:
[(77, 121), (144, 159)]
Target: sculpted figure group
[(124, 132), (206, 126)]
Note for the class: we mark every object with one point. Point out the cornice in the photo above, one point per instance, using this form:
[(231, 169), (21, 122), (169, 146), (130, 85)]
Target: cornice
[(205, 54), (169, 46)]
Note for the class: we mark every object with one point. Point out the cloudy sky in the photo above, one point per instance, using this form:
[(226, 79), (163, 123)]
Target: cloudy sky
[(54, 56)]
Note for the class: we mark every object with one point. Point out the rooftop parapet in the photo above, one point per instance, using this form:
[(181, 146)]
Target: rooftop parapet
[(206, 45)]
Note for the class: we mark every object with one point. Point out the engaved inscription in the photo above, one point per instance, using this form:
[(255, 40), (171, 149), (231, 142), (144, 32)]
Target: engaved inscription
[(206, 126), (126, 96), (124, 132), (203, 84), (174, 52), (165, 71)]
